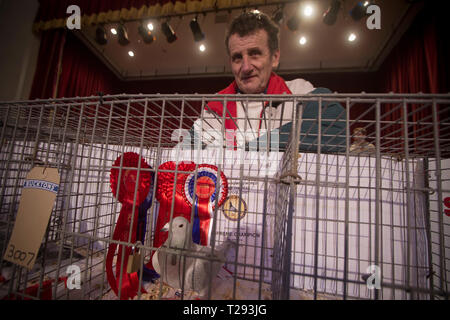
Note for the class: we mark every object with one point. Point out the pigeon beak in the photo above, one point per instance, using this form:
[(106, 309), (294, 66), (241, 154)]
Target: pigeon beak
[(165, 228)]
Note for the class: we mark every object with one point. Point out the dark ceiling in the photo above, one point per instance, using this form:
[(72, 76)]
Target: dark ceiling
[(327, 48)]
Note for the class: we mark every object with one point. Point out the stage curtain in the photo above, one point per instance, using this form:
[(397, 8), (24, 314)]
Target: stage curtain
[(412, 67), (82, 73), (66, 68), (46, 74)]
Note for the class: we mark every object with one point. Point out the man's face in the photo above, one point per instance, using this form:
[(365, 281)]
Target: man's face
[(251, 61)]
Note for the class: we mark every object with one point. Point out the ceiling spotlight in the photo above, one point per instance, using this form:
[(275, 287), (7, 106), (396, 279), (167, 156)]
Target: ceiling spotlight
[(308, 11), (122, 35), (352, 37), (293, 22), (302, 41), (330, 16), (131, 53), (202, 48), (168, 32), (359, 11), (146, 34), (196, 31), (100, 36), (113, 31), (150, 26), (278, 16)]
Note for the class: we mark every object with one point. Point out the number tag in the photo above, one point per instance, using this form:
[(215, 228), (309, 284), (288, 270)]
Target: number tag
[(35, 207)]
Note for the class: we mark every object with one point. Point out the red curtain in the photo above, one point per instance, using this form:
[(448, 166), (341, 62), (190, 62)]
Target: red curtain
[(413, 63), (66, 68), (46, 74), (412, 67), (82, 73)]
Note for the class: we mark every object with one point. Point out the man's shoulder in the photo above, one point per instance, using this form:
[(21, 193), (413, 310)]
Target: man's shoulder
[(299, 86)]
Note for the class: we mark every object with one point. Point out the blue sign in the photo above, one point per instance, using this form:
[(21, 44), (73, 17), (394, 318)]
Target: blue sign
[(40, 184)]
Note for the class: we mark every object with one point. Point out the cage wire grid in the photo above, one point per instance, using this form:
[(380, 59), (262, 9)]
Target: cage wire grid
[(314, 218)]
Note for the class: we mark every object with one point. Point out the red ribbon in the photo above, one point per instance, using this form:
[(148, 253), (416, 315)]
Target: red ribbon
[(46, 291), (182, 206), (164, 195), (204, 191), (125, 195)]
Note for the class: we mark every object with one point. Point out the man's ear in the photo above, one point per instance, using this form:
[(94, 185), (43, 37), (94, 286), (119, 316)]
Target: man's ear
[(275, 58)]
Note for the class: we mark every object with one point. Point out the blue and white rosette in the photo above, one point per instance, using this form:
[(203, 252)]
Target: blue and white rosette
[(205, 199)]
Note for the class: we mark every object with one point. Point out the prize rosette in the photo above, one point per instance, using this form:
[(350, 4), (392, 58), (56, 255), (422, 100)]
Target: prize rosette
[(193, 188), (124, 191), (202, 195)]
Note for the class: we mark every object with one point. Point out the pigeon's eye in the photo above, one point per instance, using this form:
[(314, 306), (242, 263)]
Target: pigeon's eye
[(181, 226)]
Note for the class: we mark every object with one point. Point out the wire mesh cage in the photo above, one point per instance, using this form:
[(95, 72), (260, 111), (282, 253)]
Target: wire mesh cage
[(321, 196)]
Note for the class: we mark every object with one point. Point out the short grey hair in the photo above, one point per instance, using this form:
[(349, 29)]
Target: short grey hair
[(251, 21)]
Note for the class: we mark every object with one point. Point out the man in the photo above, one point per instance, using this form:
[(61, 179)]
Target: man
[(253, 48), (252, 44)]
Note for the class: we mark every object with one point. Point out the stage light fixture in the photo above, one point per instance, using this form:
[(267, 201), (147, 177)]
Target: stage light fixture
[(330, 16), (202, 48), (278, 16), (293, 22), (131, 53), (150, 26), (100, 36), (114, 31), (359, 11), (146, 34), (196, 31), (122, 34), (168, 32)]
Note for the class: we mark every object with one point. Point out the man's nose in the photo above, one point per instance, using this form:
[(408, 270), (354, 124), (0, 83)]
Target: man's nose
[(246, 65)]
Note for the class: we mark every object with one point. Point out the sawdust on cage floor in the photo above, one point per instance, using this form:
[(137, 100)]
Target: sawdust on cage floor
[(156, 291), (244, 290), (223, 288)]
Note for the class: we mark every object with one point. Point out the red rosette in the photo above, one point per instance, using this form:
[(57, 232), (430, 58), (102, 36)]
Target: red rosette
[(179, 204), (128, 179), (124, 192), (165, 195), (208, 183), (164, 191)]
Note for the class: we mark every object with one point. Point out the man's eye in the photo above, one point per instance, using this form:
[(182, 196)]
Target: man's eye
[(236, 58)]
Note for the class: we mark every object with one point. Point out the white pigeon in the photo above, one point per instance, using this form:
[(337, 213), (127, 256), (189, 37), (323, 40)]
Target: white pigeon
[(197, 272)]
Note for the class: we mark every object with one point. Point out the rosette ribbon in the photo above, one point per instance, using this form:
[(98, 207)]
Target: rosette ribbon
[(124, 191), (183, 187), (205, 191)]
